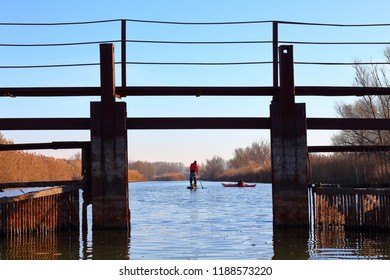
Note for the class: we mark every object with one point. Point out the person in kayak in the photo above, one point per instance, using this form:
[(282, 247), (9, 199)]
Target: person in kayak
[(240, 182), (194, 170)]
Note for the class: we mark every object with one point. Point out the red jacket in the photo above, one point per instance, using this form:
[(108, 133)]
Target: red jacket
[(194, 167)]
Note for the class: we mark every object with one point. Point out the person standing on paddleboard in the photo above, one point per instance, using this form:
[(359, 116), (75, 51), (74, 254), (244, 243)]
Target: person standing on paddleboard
[(193, 172)]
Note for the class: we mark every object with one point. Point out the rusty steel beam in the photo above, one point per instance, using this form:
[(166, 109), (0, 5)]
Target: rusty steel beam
[(138, 91), (45, 124), (348, 124), (42, 184), (196, 91), (192, 91), (198, 123), (191, 123), (123, 52), (340, 91), (41, 146), (275, 50), (138, 123), (50, 91), (336, 149)]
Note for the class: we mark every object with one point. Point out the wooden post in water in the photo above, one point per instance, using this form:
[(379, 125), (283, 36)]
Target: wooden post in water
[(109, 181), (289, 150)]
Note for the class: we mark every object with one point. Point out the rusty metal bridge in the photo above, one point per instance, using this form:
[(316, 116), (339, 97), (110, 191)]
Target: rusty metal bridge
[(105, 182)]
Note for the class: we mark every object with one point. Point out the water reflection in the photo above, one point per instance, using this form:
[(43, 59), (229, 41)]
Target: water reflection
[(350, 244), (41, 247), (170, 222), (110, 245), (291, 244)]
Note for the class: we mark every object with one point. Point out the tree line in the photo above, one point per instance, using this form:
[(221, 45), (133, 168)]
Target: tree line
[(156, 171), (252, 164), (360, 168)]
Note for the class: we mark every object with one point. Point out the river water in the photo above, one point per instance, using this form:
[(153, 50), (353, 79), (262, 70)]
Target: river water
[(170, 222)]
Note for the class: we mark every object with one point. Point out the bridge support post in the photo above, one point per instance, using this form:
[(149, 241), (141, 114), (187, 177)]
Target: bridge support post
[(109, 181), (289, 150)]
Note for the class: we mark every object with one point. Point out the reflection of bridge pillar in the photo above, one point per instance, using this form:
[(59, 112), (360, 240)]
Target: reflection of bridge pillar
[(109, 182), (291, 243), (289, 150)]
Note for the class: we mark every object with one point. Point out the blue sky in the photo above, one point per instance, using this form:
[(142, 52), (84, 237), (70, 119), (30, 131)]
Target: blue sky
[(184, 146)]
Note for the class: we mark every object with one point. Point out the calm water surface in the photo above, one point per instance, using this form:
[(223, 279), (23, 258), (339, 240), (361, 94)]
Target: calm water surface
[(169, 222)]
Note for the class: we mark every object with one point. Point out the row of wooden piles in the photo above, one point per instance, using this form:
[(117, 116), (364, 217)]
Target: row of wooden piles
[(40, 212), (354, 208)]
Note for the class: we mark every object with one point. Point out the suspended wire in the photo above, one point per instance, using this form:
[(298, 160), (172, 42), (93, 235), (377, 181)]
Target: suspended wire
[(134, 41), (200, 63), (255, 62), (47, 65), (339, 63), (199, 42), (334, 24), (60, 44), (137, 63), (200, 23), (333, 43), (257, 42), (191, 43), (135, 20), (195, 23), (55, 23), (192, 64)]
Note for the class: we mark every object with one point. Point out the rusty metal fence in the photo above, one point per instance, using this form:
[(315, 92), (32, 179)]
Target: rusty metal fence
[(40, 212), (350, 208)]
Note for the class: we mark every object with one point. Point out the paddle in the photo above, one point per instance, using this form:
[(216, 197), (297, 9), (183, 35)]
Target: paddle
[(201, 183)]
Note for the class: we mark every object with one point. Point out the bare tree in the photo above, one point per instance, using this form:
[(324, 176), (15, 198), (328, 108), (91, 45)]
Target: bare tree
[(214, 167), (257, 154), (3, 140), (368, 106)]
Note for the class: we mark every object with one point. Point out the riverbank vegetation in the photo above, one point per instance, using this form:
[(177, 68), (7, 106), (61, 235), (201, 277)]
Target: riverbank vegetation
[(252, 163), (19, 166), (156, 171)]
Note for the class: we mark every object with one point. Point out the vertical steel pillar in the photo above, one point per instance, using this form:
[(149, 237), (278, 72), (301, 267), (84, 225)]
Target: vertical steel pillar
[(109, 182), (123, 52), (275, 45), (289, 150)]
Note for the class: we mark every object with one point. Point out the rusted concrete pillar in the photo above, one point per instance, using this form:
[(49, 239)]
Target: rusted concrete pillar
[(109, 181), (289, 150)]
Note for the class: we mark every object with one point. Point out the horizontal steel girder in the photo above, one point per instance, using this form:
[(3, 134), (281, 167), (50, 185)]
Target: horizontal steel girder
[(192, 91), (40, 146), (191, 123)]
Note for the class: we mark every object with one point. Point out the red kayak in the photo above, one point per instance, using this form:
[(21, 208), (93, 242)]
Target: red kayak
[(238, 186)]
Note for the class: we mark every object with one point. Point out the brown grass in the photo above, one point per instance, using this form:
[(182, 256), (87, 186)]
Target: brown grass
[(17, 166), (136, 176)]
